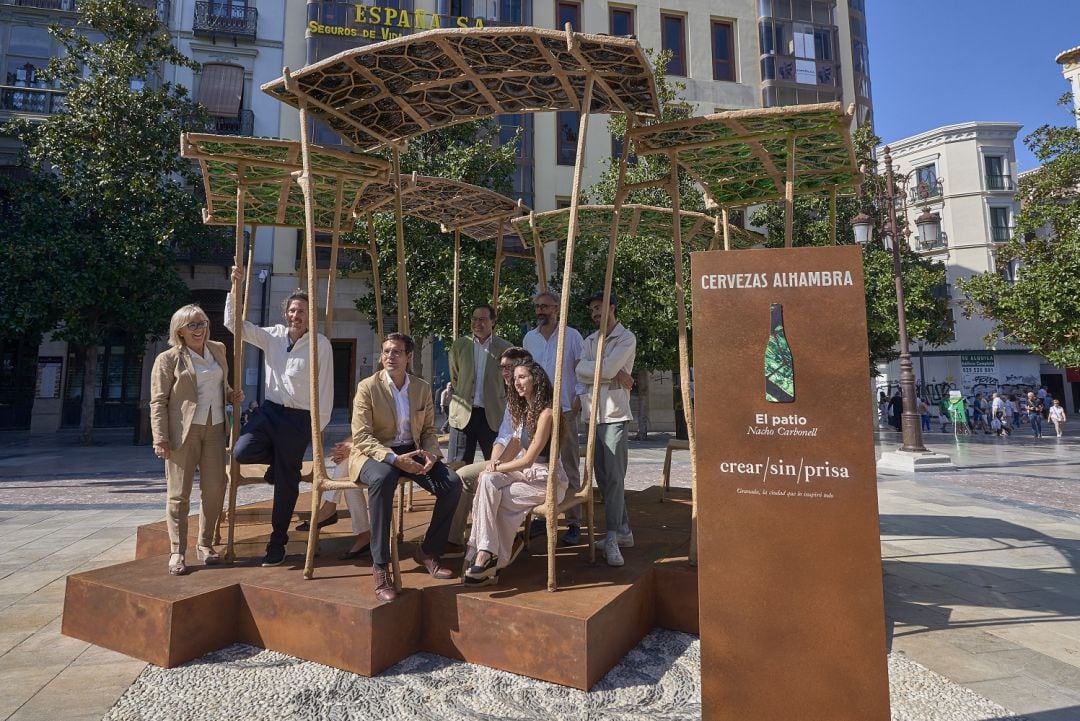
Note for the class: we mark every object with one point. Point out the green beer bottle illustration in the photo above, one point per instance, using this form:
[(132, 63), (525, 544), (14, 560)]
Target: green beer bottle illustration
[(779, 368)]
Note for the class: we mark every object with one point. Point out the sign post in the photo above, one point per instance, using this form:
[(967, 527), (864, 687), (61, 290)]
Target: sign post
[(789, 567)]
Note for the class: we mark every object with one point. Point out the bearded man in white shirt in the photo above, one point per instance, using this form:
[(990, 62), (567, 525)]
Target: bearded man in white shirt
[(279, 432)]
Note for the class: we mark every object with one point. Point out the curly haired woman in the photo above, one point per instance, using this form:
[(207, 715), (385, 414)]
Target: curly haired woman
[(516, 482)]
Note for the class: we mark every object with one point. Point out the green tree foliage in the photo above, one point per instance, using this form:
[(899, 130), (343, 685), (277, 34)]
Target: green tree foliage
[(1041, 308), (468, 152), (111, 183), (925, 304)]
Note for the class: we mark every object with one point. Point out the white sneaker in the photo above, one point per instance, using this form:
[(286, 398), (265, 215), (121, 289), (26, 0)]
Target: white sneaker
[(625, 541), (612, 553)]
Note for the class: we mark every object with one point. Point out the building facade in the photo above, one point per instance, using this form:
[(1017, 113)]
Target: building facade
[(730, 54), (966, 173)]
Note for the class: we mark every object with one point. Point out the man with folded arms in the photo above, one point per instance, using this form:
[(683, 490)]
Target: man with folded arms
[(393, 434)]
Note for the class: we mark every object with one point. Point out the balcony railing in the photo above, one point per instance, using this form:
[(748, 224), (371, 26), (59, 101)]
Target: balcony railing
[(999, 182), (926, 190), (215, 18), (65, 5), (1000, 234), (38, 101), (242, 124)]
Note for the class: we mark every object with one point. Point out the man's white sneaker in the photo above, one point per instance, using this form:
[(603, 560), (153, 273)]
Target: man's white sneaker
[(612, 553), (625, 541)]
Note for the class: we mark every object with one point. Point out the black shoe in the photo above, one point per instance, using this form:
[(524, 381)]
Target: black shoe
[(275, 555), (328, 521), (537, 528), (572, 537), (349, 555)]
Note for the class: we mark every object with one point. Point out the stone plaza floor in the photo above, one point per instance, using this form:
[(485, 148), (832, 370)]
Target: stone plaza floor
[(981, 589)]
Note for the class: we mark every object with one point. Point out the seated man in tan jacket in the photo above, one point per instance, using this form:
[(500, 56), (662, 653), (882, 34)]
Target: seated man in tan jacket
[(393, 434)]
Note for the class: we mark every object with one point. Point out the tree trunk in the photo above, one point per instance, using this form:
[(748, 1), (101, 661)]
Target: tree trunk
[(86, 421), (642, 384)]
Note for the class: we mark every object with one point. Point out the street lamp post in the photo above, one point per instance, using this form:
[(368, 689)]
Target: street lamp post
[(912, 453), (910, 426)]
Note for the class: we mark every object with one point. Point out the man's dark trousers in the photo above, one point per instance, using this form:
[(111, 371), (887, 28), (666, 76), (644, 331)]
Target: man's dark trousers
[(463, 441), (382, 481), (277, 436)]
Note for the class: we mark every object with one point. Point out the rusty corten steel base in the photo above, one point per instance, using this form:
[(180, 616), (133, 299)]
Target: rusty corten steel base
[(572, 637)]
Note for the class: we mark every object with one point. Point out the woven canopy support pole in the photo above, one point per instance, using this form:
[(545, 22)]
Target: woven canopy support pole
[(318, 462), (594, 398), (499, 257), (238, 363), (457, 269), (684, 352), (376, 282), (538, 253), (551, 502), (727, 230), (789, 194), (832, 215), (247, 274), (328, 322), (402, 283)]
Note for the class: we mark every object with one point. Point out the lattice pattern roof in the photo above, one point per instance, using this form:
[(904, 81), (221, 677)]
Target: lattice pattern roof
[(273, 197), (456, 205), (595, 220), (740, 157), (390, 91)]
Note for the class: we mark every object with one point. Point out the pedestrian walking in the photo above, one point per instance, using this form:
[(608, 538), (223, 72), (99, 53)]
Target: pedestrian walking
[(1057, 416), (1035, 415), (924, 414)]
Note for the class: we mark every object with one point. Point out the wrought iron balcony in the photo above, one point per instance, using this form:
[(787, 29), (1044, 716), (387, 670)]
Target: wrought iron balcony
[(64, 5), (926, 190), (1000, 233), (37, 101), (242, 124), (218, 18), (999, 182)]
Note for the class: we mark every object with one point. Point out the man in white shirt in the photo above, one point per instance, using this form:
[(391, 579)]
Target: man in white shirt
[(279, 432), (479, 397), (613, 419), (543, 342), (393, 434)]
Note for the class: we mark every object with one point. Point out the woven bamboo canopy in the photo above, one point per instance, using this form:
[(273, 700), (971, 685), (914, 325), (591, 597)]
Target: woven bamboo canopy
[(385, 93), (455, 205), (743, 157), (698, 229), (266, 167)]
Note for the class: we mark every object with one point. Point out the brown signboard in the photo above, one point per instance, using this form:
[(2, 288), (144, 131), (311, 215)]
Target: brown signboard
[(789, 568)]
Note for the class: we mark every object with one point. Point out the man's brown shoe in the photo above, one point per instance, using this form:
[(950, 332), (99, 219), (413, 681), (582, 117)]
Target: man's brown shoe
[(431, 563), (384, 584)]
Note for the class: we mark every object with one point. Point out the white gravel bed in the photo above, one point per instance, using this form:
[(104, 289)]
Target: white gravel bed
[(658, 680)]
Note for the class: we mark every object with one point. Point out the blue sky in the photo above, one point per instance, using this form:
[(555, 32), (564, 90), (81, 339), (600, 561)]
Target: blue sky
[(941, 62)]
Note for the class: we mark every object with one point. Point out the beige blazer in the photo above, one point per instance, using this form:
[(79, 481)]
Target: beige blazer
[(463, 378), (174, 393), (374, 420)]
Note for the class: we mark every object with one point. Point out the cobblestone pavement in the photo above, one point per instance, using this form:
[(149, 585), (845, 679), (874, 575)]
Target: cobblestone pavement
[(982, 601)]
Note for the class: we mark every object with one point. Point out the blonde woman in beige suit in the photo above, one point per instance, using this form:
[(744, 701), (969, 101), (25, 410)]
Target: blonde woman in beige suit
[(188, 391)]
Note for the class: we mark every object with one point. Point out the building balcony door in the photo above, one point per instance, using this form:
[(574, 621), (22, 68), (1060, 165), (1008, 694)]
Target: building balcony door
[(18, 363), (344, 373), (116, 387)]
